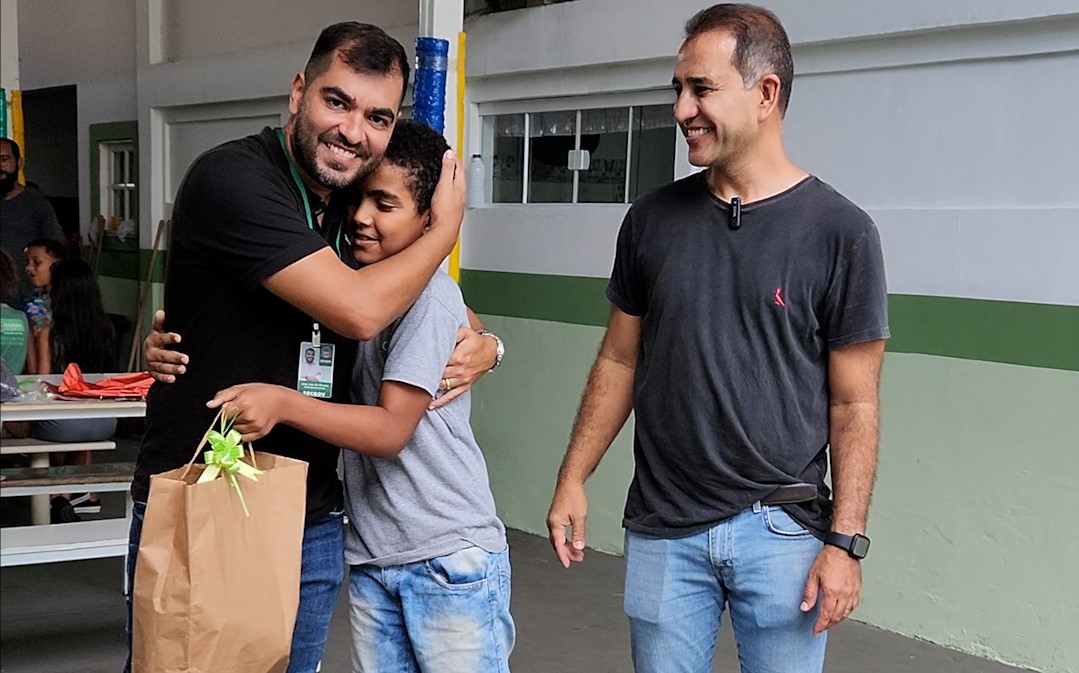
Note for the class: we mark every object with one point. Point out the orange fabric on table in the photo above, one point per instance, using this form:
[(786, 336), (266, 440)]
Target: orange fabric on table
[(124, 385)]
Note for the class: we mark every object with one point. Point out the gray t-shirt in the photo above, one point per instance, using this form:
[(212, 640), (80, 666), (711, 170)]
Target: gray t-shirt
[(25, 217), (730, 392), (434, 498)]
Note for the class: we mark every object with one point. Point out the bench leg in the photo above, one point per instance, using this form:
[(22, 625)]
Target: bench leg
[(39, 504)]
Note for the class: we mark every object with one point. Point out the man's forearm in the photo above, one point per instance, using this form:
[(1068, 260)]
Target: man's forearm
[(605, 406), (392, 285), (854, 436)]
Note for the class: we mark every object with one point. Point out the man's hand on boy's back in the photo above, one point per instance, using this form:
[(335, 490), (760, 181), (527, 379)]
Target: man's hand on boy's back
[(473, 357), (163, 364)]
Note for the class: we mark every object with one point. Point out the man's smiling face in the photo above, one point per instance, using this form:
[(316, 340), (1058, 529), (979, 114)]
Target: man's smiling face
[(342, 122)]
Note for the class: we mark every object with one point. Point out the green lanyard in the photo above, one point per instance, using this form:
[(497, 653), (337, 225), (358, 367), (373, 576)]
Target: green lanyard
[(303, 191)]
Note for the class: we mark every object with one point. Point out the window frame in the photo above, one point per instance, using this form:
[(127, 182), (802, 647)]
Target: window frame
[(530, 107)]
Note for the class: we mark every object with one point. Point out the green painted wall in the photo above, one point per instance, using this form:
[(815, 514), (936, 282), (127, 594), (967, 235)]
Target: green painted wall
[(973, 517)]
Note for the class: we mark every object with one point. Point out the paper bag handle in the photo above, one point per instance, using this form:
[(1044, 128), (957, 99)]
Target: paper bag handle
[(205, 438)]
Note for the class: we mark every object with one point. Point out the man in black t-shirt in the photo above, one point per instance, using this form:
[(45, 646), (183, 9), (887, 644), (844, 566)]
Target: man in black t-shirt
[(255, 278), (746, 334)]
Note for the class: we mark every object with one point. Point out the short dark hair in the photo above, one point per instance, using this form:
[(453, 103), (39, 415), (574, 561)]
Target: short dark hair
[(761, 43), (16, 151), (363, 47), (52, 246), (417, 148)]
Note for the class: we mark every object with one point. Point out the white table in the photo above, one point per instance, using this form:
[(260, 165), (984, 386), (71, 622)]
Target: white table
[(55, 409)]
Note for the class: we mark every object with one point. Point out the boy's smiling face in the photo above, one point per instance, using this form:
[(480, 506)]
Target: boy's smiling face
[(386, 219)]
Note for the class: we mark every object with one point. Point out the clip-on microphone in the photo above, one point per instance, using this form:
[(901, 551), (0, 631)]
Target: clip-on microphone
[(736, 214)]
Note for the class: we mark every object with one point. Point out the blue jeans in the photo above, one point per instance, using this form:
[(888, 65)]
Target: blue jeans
[(449, 614), (321, 574), (755, 562)]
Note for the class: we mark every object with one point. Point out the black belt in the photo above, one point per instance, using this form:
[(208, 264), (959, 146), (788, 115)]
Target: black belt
[(790, 493)]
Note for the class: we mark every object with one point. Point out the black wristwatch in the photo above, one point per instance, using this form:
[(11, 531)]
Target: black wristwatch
[(856, 545)]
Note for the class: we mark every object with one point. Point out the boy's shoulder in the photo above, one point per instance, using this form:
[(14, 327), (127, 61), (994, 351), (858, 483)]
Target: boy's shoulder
[(443, 290)]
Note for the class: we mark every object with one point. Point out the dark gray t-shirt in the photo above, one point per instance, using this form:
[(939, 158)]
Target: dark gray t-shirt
[(22, 219), (434, 498), (731, 385)]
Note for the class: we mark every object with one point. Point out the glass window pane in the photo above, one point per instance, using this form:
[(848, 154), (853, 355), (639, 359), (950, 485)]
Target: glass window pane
[(652, 154), (508, 159), (553, 135), (604, 133)]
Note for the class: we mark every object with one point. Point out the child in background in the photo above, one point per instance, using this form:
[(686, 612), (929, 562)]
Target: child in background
[(41, 254), (80, 332), (429, 586)]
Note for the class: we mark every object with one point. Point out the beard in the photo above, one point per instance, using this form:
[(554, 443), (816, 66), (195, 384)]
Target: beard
[(305, 144), (7, 182)]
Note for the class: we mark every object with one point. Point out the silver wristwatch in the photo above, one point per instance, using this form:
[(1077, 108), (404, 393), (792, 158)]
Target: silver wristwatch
[(500, 348)]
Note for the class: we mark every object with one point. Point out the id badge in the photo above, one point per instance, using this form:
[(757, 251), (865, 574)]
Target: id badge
[(315, 377)]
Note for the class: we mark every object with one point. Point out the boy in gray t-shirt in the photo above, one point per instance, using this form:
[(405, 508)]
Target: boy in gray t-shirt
[(429, 586)]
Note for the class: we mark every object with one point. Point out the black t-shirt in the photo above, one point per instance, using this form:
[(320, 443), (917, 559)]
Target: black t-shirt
[(238, 219), (730, 391)]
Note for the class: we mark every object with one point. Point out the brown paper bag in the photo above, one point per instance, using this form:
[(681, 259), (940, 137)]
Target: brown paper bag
[(217, 591)]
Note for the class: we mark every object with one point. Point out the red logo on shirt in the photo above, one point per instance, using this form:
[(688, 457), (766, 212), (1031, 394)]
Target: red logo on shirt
[(779, 297)]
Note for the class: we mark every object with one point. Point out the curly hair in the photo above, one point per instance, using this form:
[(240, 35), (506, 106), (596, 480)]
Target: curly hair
[(418, 149), (81, 330)]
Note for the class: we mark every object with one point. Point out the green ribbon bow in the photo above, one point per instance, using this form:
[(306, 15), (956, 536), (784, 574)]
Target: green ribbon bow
[(224, 457)]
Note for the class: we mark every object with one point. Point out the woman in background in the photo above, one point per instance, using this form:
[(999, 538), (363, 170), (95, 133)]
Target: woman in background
[(80, 332)]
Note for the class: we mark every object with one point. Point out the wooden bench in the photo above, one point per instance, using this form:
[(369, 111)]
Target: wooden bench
[(39, 450), (25, 545)]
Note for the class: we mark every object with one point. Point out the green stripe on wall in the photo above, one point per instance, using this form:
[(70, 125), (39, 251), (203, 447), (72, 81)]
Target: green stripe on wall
[(1036, 335)]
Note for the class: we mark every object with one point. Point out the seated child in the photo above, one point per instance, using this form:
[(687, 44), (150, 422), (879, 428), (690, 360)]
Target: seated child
[(41, 254), (429, 587)]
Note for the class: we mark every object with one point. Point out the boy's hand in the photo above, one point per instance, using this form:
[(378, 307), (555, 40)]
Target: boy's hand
[(163, 364), (473, 357), (569, 509), (448, 202), (256, 407)]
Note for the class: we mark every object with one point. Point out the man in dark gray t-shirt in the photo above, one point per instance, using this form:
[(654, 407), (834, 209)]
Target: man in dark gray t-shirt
[(749, 313), (24, 215)]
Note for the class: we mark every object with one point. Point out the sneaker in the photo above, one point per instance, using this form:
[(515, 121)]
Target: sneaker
[(86, 503), (61, 511)]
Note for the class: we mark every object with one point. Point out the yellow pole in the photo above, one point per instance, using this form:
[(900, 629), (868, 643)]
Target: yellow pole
[(17, 132), (455, 254)]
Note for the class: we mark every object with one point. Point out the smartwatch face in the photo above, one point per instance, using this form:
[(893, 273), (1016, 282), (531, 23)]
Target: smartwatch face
[(860, 547)]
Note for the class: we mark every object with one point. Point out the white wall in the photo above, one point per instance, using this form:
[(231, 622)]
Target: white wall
[(9, 44), (88, 43)]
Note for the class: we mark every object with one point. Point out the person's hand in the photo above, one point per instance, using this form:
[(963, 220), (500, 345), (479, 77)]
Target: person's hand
[(569, 508), (448, 202), (255, 407), (836, 580), (473, 357), (163, 364)]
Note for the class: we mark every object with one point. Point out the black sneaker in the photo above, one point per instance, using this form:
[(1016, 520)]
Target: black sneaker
[(83, 503), (61, 511)]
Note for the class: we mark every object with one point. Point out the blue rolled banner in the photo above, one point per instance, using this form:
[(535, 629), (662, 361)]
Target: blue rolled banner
[(429, 92)]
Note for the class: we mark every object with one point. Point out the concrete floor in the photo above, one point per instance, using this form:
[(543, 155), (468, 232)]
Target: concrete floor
[(69, 618)]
